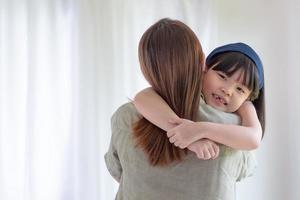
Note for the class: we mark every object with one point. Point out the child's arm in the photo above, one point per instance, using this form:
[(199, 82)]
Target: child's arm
[(155, 109), (245, 137), (158, 112), (248, 136)]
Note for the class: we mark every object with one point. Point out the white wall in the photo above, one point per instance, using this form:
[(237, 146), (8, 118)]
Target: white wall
[(292, 101), (272, 28)]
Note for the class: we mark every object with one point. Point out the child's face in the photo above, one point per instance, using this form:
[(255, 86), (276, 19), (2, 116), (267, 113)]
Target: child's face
[(222, 92)]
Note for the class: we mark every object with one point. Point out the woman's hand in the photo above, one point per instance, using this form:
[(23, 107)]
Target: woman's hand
[(205, 149), (185, 133)]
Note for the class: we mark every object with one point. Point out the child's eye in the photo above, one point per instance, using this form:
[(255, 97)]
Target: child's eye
[(222, 76), (240, 89)]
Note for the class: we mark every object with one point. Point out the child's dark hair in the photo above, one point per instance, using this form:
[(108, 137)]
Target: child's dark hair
[(229, 63)]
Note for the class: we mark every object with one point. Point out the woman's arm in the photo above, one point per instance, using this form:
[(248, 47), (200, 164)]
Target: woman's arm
[(155, 109), (245, 137)]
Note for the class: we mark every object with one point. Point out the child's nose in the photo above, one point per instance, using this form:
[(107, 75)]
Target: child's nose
[(227, 91)]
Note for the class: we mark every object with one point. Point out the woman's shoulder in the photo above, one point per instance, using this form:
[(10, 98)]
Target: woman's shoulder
[(237, 163), (125, 116)]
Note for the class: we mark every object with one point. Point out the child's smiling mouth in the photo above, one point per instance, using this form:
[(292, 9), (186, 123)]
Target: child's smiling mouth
[(220, 99)]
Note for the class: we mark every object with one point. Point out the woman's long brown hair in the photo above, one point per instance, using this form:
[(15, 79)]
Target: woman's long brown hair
[(171, 59)]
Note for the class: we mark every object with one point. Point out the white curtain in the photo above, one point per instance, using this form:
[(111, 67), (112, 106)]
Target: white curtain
[(66, 65), (38, 124)]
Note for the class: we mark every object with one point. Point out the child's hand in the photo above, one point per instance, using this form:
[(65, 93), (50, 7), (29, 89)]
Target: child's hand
[(205, 149), (185, 133)]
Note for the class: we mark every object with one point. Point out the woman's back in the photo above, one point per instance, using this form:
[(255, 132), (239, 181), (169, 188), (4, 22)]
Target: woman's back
[(191, 178)]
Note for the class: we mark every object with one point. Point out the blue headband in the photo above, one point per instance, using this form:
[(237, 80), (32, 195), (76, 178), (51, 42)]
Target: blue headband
[(244, 49)]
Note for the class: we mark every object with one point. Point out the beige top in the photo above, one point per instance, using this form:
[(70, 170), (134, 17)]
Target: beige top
[(191, 179)]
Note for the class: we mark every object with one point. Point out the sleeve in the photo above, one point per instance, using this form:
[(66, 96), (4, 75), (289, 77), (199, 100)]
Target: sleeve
[(249, 165), (112, 160)]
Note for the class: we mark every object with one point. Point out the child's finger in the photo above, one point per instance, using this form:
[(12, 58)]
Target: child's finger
[(183, 146), (170, 133), (172, 139), (217, 150), (176, 121), (200, 154), (215, 156), (212, 152), (176, 144), (206, 154)]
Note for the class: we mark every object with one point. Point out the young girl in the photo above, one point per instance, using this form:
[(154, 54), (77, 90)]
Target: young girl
[(233, 82)]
